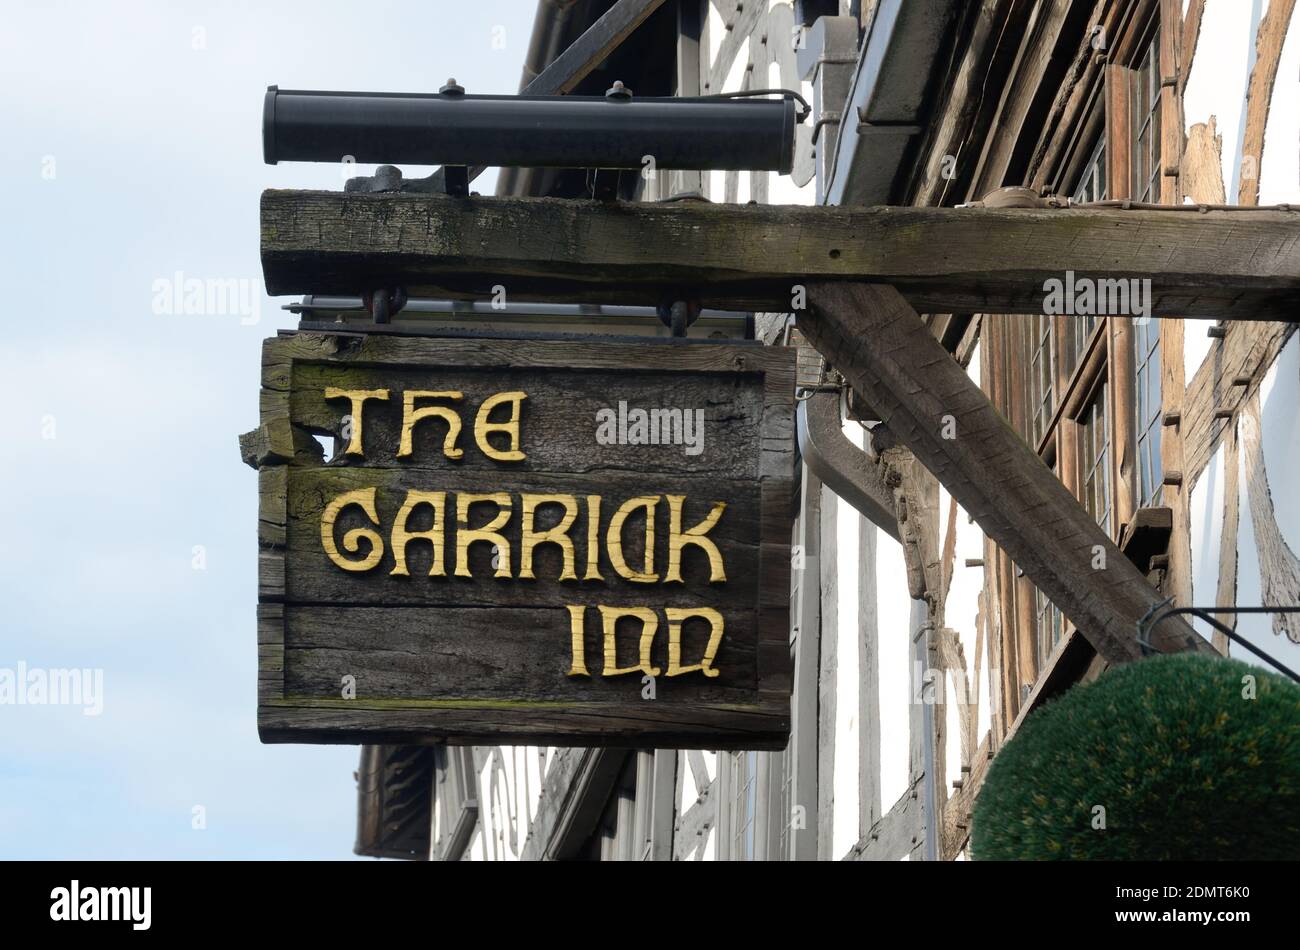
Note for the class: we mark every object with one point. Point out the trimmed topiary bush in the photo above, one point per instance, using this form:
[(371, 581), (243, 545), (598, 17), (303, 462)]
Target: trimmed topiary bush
[(1185, 764)]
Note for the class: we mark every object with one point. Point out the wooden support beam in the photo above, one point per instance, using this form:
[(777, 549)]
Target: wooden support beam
[(592, 48), (1227, 264), (587, 52), (877, 341)]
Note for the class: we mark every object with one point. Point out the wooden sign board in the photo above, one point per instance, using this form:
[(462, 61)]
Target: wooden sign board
[(544, 542)]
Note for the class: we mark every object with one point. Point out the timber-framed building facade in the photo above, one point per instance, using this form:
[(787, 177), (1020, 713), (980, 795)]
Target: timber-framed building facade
[(918, 645)]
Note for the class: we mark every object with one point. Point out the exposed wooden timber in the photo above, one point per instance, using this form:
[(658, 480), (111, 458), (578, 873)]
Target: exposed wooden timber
[(587, 52), (1226, 264), (1259, 96), (877, 341), (592, 48)]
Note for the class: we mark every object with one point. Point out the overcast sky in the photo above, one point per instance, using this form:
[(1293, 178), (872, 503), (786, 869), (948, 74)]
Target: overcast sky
[(130, 135)]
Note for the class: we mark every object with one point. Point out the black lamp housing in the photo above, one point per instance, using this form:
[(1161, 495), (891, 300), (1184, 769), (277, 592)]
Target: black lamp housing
[(616, 131)]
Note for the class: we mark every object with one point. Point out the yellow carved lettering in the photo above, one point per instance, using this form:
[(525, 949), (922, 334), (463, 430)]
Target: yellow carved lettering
[(676, 615), (593, 539), (614, 539), (679, 539), (649, 624), (358, 399), (490, 532), (578, 646), (530, 538), (365, 497), (412, 415), (402, 535), (483, 428)]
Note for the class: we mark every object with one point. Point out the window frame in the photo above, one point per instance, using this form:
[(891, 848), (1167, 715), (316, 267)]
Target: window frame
[(1092, 354)]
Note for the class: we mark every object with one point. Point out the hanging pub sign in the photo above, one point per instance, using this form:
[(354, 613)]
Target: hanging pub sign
[(543, 542)]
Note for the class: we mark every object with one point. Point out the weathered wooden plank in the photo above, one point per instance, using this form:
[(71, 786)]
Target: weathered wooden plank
[(1039, 45), (697, 424), (1244, 350), (1279, 568), (276, 442), (897, 833), (1225, 590), (966, 112), (270, 653), (592, 48), (691, 832), (564, 73), (496, 722), (1268, 57), (1242, 265), (886, 353), (1191, 35), (409, 655)]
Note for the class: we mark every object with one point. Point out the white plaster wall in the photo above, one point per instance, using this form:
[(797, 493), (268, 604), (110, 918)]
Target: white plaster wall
[(1196, 345), (1279, 394), (960, 613), (848, 682), (511, 808), (1279, 171), (1280, 428), (1280, 436), (1206, 510), (1219, 76), (893, 610), (1217, 87), (716, 31)]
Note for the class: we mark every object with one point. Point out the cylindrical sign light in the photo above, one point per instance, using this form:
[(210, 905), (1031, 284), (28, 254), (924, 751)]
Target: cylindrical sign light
[(451, 128)]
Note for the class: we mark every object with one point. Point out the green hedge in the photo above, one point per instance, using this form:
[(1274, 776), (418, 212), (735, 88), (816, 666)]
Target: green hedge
[(1185, 766)]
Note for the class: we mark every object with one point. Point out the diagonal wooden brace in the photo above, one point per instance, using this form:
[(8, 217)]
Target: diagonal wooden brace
[(871, 334)]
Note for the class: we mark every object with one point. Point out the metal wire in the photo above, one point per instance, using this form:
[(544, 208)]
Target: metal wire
[(750, 93), (1147, 624), (1125, 205)]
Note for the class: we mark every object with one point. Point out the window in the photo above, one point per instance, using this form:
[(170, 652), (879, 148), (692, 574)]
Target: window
[(1145, 108), (1051, 624), (1091, 187), (785, 807), (1146, 343), (1076, 342), (744, 792), (615, 835), (1060, 374), (1092, 183), (1042, 375), (1094, 459)]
